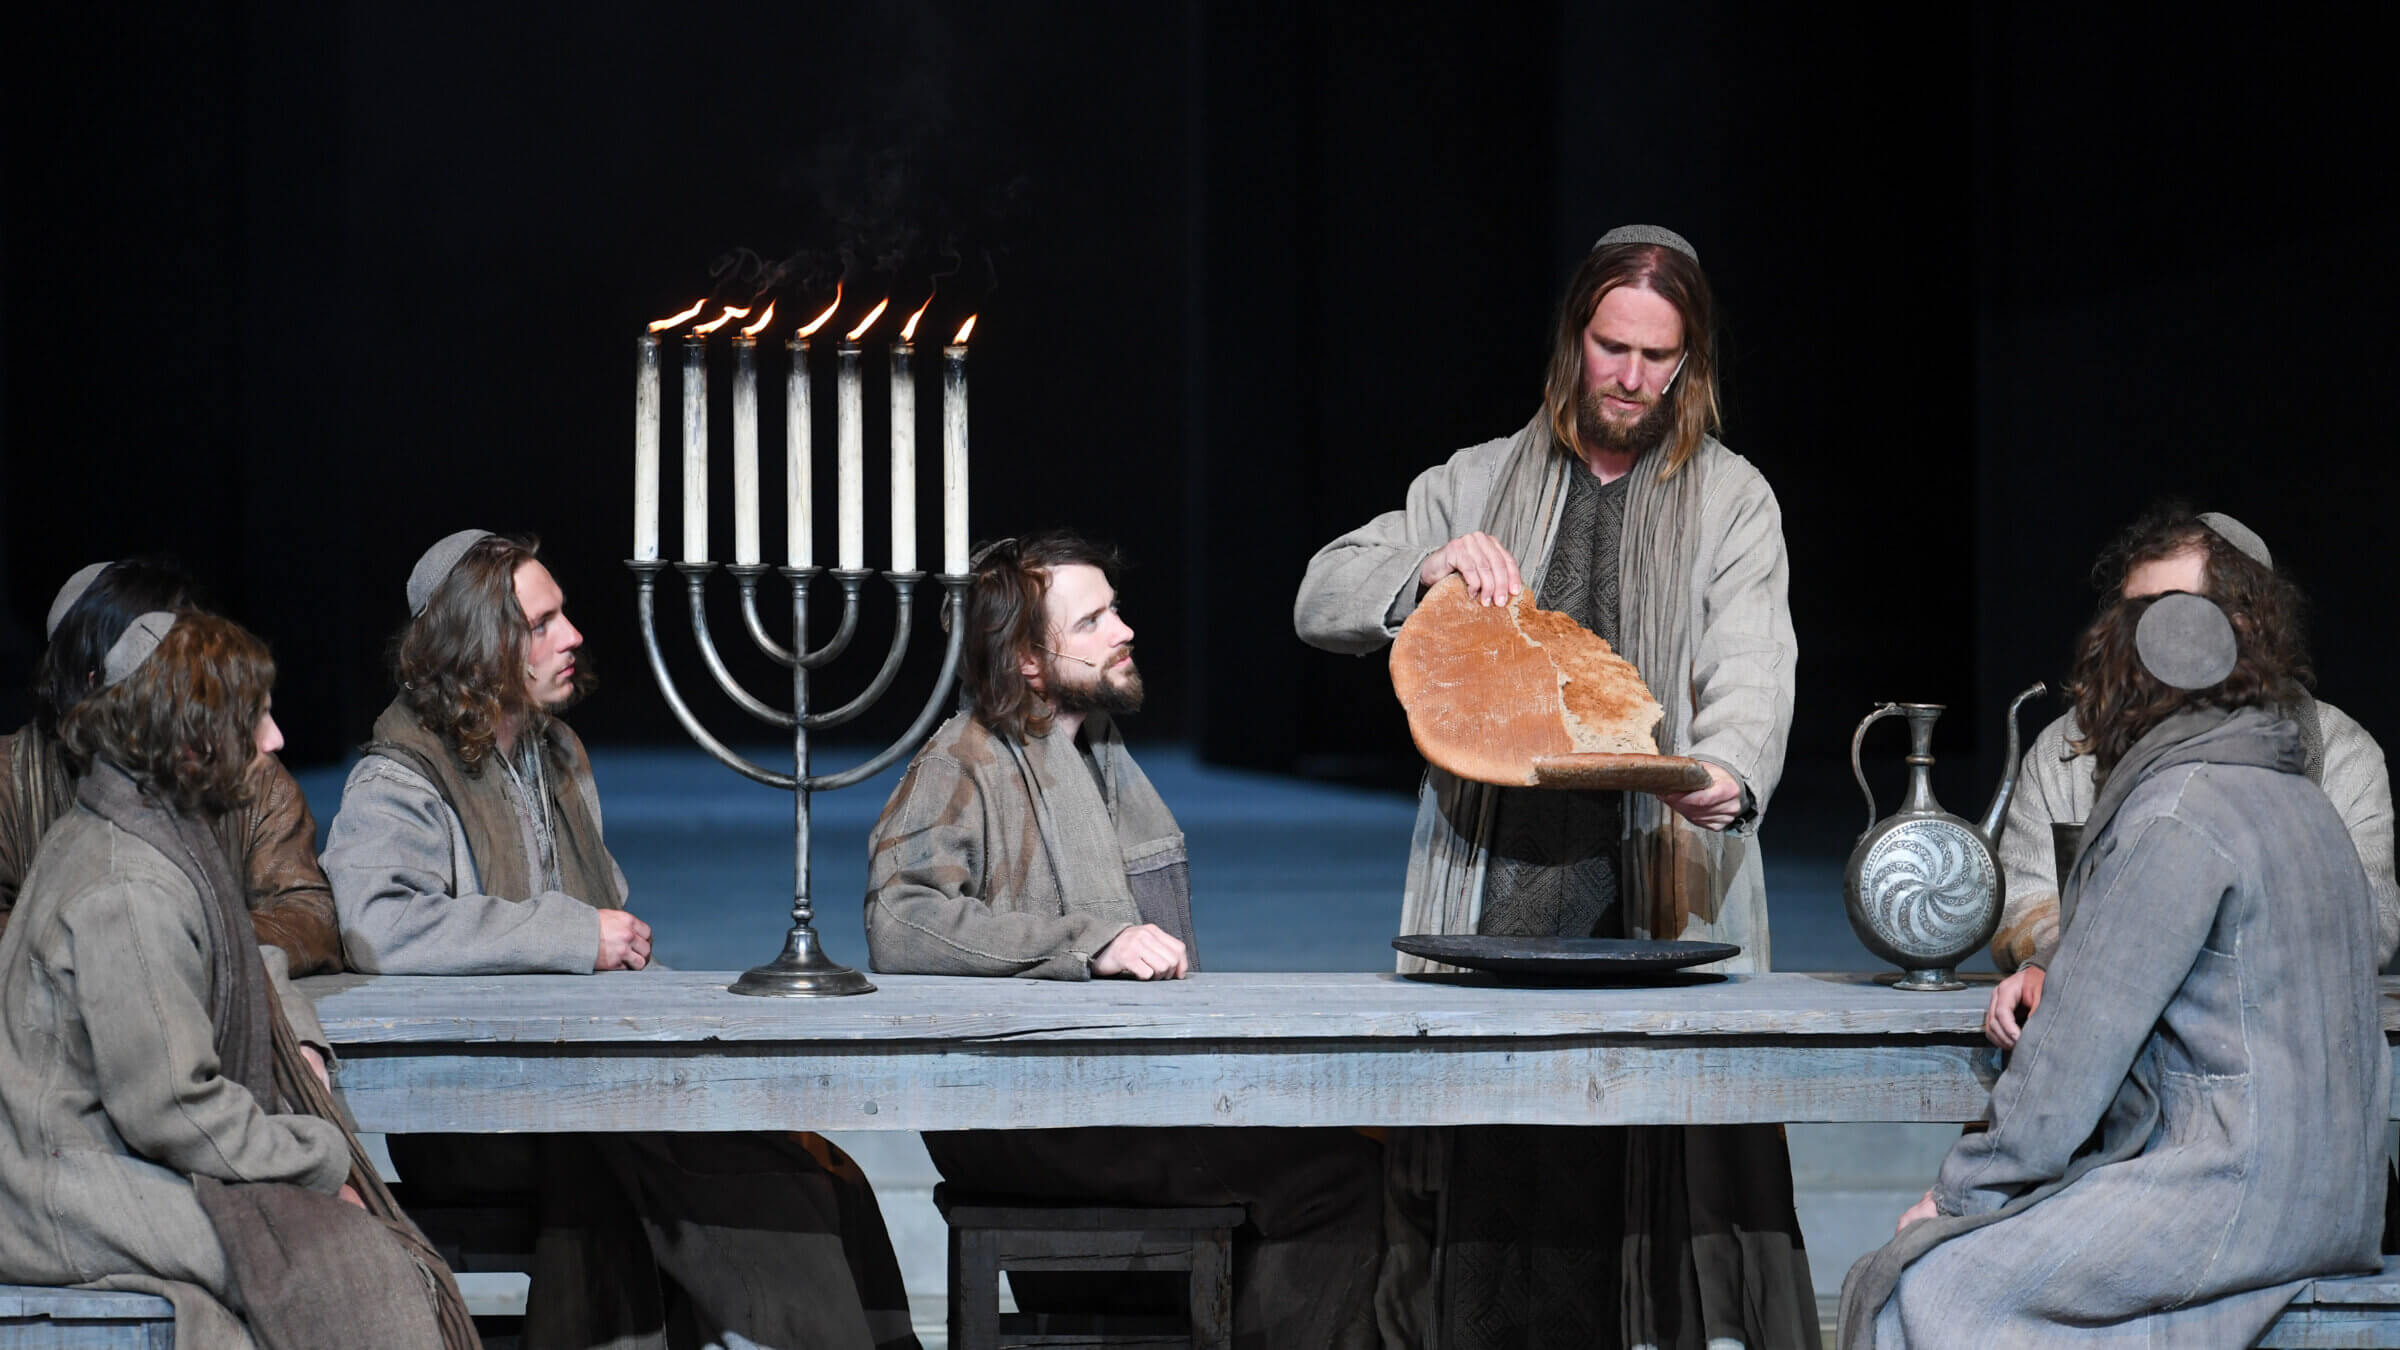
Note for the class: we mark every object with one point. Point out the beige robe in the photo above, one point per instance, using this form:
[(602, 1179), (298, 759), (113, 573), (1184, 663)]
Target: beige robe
[(110, 1095), (1361, 587)]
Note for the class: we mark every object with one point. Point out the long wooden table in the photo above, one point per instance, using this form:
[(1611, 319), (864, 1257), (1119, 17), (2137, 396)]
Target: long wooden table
[(673, 1051)]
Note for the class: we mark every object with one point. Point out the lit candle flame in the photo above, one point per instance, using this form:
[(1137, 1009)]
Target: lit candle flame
[(869, 321), (723, 319), (908, 331), (810, 328), (663, 324), (963, 330), (763, 320)]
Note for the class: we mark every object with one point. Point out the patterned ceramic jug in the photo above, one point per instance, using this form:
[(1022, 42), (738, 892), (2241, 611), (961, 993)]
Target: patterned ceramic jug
[(1924, 887)]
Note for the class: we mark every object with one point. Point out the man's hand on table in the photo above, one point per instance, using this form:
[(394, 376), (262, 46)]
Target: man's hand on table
[(2013, 1000), (1490, 574), (1146, 952), (1923, 1209), (1713, 807), (624, 941)]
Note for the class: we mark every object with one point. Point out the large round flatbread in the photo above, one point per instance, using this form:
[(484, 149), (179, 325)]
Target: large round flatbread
[(1526, 697)]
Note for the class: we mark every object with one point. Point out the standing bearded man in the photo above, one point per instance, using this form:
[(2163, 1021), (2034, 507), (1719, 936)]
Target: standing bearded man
[(468, 842), (1618, 507)]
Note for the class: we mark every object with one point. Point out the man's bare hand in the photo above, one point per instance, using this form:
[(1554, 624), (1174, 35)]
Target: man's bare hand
[(1712, 807), (2013, 1000), (624, 941), (1144, 951), (1491, 574), (316, 1065), (1923, 1209), (351, 1196)]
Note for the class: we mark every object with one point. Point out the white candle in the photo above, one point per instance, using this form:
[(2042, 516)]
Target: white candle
[(695, 448), (798, 470), (745, 450), (954, 455), (645, 448), (904, 458), (849, 411)]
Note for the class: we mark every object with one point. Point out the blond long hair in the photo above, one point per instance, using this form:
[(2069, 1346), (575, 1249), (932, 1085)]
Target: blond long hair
[(1675, 278)]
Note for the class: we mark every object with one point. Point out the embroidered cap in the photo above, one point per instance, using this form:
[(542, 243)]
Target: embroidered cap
[(2186, 641), (134, 645), (1649, 234), (2241, 536), (72, 592), (426, 577)]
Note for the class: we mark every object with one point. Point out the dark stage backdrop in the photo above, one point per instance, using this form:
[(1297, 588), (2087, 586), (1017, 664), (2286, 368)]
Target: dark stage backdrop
[(292, 290)]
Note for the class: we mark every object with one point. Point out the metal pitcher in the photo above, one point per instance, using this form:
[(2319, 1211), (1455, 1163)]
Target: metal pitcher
[(1924, 887)]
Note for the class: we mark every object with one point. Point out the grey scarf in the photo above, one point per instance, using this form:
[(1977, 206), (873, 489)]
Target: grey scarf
[(1112, 843)]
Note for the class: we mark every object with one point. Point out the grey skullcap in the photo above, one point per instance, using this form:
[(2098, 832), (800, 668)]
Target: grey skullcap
[(426, 577), (2241, 536), (134, 645), (1649, 234), (2186, 641), (70, 593)]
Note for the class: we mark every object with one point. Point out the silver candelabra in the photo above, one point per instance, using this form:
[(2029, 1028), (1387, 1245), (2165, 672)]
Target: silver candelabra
[(803, 968)]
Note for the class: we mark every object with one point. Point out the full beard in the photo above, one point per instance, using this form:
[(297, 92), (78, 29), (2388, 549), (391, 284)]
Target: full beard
[(1599, 432), (1097, 691)]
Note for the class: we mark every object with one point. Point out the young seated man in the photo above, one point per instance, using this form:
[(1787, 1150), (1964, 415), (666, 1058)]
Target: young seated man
[(1024, 841), (468, 841)]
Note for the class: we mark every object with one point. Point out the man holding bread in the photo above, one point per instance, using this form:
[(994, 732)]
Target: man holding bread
[(1616, 506)]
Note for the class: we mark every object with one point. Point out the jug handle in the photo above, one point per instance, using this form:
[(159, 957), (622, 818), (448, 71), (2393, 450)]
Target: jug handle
[(1858, 770)]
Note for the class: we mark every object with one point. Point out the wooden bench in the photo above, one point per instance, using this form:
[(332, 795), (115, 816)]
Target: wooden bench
[(83, 1319), (2342, 1314), (991, 1234)]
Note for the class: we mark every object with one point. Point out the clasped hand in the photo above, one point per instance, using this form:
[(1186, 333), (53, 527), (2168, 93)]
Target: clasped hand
[(1146, 952)]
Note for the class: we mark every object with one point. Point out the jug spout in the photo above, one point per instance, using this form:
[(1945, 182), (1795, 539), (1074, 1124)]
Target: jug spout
[(1995, 816)]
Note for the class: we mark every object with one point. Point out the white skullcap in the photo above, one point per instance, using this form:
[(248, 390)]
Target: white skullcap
[(134, 645), (2241, 536), (1649, 234), (70, 593), (426, 577), (2186, 641)]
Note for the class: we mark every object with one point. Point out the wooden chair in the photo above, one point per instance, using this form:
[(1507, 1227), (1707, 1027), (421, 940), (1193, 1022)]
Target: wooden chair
[(34, 1318), (990, 1234), (2359, 1310)]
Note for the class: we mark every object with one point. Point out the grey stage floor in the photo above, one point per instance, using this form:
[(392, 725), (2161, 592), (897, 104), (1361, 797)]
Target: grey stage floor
[(1286, 875)]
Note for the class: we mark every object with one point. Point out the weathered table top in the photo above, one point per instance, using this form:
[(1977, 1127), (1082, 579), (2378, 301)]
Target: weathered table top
[(673, 1050)]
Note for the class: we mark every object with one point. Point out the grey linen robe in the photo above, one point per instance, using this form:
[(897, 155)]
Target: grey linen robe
[(1361, 587), (110, 1095), (405, 886), (997, 857), (770, 1236), (2057, 786), (2191, 1127)]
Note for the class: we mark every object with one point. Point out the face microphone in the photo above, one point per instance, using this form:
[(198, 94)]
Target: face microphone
[(1067, 656)]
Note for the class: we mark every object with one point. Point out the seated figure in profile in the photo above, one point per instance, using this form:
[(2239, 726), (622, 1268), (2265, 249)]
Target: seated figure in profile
[(2191, 1128), (161, 1127), (2172, 548), (1024, 841)]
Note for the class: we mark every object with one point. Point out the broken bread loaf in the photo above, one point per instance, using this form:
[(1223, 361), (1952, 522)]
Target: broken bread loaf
[(1526, 697)]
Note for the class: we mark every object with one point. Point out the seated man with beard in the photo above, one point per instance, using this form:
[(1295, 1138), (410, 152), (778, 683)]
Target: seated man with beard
[(2192, 1128), (1025, 841)]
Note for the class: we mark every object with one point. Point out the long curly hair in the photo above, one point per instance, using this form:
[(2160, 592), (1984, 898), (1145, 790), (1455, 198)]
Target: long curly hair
[(2117, 702), (1007, 623), (1679, 281), (461, 663), (184, 723)]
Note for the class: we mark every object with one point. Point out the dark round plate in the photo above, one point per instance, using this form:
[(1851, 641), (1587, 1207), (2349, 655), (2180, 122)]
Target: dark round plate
[(1563, 958)]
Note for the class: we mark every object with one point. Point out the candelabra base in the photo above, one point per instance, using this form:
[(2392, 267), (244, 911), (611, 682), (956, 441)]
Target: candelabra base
[(803, 971)]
